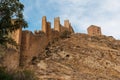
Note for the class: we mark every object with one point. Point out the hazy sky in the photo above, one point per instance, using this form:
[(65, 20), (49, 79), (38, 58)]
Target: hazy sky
[(81, 13)]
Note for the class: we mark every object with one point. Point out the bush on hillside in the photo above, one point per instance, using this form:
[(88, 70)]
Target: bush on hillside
[(19, 75)]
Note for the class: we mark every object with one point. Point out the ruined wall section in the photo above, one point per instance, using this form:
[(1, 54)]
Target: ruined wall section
[(55, 35), (26, 38), (64, 29), (71, 29), (67, 27), (49, 32), (32, 46), (46, 28), (66, 24), (94, 30)]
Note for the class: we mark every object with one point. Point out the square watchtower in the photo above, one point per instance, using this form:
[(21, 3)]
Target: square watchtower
[(94, 30)]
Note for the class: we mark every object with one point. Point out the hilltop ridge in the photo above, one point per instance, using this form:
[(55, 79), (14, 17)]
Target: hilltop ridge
[(80, 57)]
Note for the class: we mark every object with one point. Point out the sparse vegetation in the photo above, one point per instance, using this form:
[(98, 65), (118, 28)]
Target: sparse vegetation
[(4, 75), (2, 52), (19, 75), (24, 75)]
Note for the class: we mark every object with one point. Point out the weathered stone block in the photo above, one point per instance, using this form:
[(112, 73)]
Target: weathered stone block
[(94, 30)]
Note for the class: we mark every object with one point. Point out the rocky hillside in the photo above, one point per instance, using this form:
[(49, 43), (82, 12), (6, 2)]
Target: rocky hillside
[(80, 57)]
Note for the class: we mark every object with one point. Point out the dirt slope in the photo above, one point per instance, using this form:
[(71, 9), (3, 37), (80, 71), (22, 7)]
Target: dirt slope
[(80, 57)]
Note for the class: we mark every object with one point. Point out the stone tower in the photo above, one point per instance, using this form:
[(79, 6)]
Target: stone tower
[(94, 30), (46, 27), (66, 24), (44, 24), (57, 24)]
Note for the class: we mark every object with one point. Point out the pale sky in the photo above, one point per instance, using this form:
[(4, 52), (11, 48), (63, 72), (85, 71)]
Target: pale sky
[(81, 13)]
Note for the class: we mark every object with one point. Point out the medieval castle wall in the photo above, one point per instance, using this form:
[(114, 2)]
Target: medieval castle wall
[(33, 44)]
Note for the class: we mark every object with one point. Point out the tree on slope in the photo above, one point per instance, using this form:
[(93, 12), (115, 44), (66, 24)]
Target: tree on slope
[(10, 9)]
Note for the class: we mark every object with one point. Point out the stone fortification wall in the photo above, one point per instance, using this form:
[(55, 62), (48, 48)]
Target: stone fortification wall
[(32, 46)]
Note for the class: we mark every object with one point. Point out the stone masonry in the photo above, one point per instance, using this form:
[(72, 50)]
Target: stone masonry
[(94, 30), (33, 44), (68, 26), (12, 55), (48, 31), (16, 35), (44, 24), (66, 23), (57, 24)]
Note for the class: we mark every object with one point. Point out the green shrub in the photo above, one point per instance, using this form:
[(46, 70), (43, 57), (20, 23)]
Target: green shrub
[(4, 75), (24, 75), (19, 75)]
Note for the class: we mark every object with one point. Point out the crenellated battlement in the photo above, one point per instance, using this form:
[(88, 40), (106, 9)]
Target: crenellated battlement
[(46, 27), (33, 44), (57, 26)]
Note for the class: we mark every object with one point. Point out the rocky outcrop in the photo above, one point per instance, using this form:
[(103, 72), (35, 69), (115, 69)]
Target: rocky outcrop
[(10, 59), (80, 57)]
